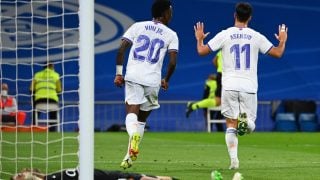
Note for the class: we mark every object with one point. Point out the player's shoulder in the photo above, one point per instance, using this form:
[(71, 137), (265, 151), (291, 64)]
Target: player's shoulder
[(163, 26), (171, 30), (246, 30), (255, 33), (138, 24), (233, 28), (252, 30), (226, 30), (141, 23), (168, 30)]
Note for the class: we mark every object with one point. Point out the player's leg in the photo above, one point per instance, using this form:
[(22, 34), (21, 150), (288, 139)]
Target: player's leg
[(136, 137), (150, 103), (131, 127), (242, 123), (249, 105), (230, 109), (147, 97), (134, 97), (205, 103), (189, 109), (142, 119)]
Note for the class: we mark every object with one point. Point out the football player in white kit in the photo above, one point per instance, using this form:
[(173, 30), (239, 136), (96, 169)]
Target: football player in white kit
[(149, 41), (240, 47)]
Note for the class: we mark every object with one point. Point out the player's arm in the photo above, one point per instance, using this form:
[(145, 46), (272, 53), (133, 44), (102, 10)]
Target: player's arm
[(125, 44), (282, 36), (200, 36), (170, 69), (148, 177), (27, 173), (118, 80), (165, 178)]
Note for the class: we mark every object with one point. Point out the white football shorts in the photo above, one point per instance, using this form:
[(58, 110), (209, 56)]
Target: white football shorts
[(146, 96), (235, 102)]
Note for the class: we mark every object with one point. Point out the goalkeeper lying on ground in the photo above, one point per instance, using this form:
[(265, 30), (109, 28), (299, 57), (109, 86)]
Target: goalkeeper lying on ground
[(72, 174)]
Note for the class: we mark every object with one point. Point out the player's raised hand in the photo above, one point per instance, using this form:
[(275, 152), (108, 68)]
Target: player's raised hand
[(199, 31), (282, 34), (118, 80), (164, 84)]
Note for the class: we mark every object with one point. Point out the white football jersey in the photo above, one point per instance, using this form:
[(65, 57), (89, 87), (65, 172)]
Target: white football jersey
[(150, 42), (240, 50)]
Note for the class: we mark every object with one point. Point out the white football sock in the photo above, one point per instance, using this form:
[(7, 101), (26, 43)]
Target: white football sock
[(131, 123), (232, 142), (141, 126), (127, 155), (251, 126), (132, 127)]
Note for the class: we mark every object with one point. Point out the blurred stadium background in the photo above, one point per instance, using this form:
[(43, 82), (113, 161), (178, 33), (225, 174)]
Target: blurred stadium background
[(293, 77)]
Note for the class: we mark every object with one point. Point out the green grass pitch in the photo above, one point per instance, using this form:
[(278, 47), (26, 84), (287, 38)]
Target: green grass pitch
[(192, 156)]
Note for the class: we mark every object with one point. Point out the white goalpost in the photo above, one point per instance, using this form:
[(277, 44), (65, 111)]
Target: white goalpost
[(33, 33), (87, 84)]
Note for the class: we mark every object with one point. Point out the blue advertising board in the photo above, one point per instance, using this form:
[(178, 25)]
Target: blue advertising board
[(294, 76)]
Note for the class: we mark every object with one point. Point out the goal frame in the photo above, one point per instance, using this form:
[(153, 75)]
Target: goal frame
[(86, 97)]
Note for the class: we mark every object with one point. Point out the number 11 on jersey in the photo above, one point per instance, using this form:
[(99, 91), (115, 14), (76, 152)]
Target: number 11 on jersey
[(237, 50)]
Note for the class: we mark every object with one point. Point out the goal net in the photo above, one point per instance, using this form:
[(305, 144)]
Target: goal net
[(34, 33)]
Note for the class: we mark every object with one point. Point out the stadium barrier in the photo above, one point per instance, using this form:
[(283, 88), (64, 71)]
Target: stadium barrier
[(169, 117)]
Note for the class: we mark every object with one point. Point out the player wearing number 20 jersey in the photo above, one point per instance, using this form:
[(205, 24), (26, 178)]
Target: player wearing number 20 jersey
[(150, 42), (240, 49)]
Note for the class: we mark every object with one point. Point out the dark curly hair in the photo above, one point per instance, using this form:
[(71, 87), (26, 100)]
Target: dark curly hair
[(159, 7), (243, 11)]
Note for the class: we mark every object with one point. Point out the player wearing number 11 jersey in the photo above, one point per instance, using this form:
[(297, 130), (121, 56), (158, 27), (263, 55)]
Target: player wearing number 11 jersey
[(240, 47), (149, 41)]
